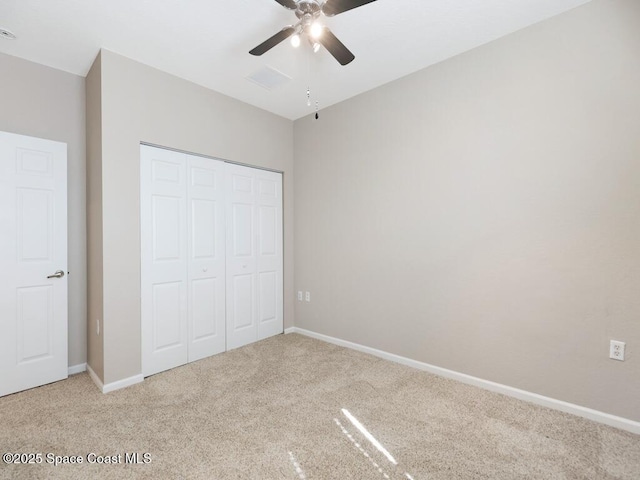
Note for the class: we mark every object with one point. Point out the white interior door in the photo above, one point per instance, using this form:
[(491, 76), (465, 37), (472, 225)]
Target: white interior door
[(206, 268), (254, 255), (163, 225), (33, 247)]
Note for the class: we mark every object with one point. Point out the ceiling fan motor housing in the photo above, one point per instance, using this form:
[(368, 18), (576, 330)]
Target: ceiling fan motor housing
[(308, 9)]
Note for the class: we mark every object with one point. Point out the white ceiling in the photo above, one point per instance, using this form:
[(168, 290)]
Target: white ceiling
[(207, 41)]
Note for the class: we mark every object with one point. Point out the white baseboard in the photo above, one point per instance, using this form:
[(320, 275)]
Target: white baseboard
[(126, 382), (113, 386), (95, 377), (81, 367), (595, 415)]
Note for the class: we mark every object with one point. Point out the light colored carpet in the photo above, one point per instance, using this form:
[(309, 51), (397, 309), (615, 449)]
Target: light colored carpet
[(274, 410)]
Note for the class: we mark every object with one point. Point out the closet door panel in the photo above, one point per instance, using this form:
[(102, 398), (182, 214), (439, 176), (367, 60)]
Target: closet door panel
[(254, 256), (243, 310), (167, 315), (203, 308), (241, 257), (269, 267), (206, 264), (268, 296), (163, 219)]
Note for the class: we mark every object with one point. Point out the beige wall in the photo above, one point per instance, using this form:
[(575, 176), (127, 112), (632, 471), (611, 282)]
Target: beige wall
[(39, 101), (141, 104), (483, 215), (95, 307)]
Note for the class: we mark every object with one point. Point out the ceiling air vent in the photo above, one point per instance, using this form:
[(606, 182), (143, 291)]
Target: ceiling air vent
[(269, 78), (9, 35)]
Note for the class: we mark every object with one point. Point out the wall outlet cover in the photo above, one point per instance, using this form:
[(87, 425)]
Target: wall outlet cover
[(616, 350)]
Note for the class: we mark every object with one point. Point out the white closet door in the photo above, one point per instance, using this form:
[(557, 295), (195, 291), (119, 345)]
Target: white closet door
[(269, 253), (241, 257), (254, 255), (211, 259), (206, 268), (163, 222)]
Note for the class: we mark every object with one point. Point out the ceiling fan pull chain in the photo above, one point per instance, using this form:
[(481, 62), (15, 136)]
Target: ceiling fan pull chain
[(308, 97), (317, 107)]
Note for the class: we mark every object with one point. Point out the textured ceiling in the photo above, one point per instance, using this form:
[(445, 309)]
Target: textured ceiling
[(206, 41)]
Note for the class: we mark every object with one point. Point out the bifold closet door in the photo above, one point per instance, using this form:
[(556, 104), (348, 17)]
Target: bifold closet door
[(206, 257), (211, 257), (163, 235), (182, 258), (254, 255)]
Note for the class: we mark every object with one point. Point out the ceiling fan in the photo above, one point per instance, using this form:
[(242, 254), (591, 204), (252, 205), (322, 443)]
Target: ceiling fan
[(308, 13)]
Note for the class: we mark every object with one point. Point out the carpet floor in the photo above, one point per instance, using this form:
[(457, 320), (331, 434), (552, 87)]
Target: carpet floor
[(291, 407)]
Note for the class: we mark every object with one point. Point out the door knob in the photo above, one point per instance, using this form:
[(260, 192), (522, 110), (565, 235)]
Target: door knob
[(58, 274)]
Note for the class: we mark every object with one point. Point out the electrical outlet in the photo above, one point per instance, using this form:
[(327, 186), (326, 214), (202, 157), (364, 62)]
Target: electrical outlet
[(97, 326), (616, 350), (307, 296), (299, 295)]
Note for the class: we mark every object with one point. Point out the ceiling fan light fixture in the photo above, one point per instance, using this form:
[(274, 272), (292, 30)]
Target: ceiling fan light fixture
[(316, 30), (295, 40)]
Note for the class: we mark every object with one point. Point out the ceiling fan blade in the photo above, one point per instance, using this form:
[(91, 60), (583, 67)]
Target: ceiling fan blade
[(335, 47), (290, 4), (334, 7), (268, 44)]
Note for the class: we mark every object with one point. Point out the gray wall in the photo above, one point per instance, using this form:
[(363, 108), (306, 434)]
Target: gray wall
[(483, 215), (95, 307), (39, 101), (141, 104)]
